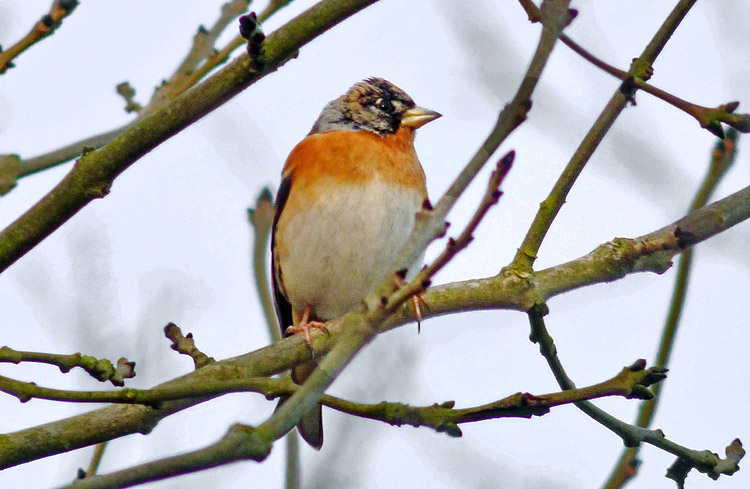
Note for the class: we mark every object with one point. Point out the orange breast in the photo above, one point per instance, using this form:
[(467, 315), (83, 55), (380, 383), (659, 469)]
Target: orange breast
[(353, 156)]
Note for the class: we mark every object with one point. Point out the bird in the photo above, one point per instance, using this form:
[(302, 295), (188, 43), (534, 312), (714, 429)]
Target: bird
[(346, 205)]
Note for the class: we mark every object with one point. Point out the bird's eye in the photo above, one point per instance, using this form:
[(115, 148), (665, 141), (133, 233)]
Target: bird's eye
[(384, 104)]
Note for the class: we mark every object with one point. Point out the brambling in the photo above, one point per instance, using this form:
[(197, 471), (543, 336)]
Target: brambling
[(347, 203)]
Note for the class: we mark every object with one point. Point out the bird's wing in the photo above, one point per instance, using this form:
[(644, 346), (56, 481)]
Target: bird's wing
[(283, 306)]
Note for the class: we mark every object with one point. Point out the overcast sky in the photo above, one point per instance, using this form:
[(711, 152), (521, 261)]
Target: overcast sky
[(171, 242)]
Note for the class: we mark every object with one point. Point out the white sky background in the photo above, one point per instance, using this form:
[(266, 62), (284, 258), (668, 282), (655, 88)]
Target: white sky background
[(171, 242)]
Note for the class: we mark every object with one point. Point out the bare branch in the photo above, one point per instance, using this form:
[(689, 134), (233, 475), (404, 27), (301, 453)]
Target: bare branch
[(43, 28), (641, 68), (155, 397), (504, 291), (709, 118), (632, 436), (240, 443), (631, 382), (202, 50), (96, 459), (95, 171), (100, 369), (186, 345), (180, 84), (261, 217), (721, 160)]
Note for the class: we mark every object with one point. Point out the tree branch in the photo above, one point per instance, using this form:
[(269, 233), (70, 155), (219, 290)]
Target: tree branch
[(721, 160), (25, 167), (631, 382), (239, 443), (221, 56), (704, 461), (101, 369), (608, 262), (202, 50), (96, 459), (93, 174), (504, 291), (709, 118), (261, 219), (640, 69), (43, 28), (185, 345)]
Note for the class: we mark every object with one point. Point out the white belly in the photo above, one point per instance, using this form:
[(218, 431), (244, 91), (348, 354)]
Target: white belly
[(340, 250)]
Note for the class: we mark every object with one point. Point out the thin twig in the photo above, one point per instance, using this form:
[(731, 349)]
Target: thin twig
[(42, 28), (202, 50), (721, 160), (293, 478), (491, 195), (631, 382), (272, 7), (641, 68), (95, 171), (62, 155), (96, 459), (26, 391), (651, 252), (238, 444), (203, 44), (221, 56), (66, 153), (631, 435), (708, 117), (527, 254), (218, 57), (261, 217), (101, 369), (185, 345)]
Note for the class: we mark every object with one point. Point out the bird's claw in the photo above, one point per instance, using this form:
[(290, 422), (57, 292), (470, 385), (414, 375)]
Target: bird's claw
[(305, 329), (417, 300)]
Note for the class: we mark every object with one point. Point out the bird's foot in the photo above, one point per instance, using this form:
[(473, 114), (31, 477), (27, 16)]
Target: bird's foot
[(305, 327), (417, 300)]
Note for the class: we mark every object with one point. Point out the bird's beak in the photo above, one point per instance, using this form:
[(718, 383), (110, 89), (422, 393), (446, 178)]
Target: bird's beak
[(418, 116)]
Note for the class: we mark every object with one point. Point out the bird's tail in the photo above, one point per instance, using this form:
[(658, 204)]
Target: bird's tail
[(310, 427)]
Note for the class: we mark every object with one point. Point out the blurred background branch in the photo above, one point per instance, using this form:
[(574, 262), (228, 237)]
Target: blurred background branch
[(709, 118), (721, 159), (200, 60), (96, 170)]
